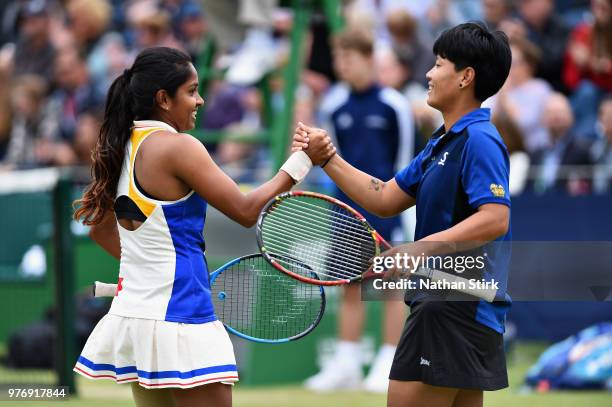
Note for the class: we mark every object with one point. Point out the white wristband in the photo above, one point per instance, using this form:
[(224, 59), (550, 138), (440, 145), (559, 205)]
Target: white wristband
[(297, 166)]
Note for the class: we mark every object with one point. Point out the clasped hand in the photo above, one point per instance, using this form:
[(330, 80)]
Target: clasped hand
[(313, 141)]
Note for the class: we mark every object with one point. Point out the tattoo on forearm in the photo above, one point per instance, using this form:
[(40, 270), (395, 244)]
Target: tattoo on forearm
[(376, 184)]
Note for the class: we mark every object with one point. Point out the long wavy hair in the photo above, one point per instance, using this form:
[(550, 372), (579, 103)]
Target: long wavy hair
[(130, 97)]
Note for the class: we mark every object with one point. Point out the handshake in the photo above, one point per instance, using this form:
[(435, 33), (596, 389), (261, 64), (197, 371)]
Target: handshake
[(314, 142), (311, 146)]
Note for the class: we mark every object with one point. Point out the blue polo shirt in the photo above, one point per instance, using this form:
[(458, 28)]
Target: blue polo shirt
[(457, 172)]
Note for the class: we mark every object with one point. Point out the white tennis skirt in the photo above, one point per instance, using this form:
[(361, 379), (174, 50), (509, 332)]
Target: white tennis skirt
[(158, 354)]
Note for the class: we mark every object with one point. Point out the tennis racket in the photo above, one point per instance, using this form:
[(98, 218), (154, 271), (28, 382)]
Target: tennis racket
[(256, 302), (333, 240)]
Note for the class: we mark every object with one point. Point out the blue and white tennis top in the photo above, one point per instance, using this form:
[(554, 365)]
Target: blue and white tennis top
[(163, 273)]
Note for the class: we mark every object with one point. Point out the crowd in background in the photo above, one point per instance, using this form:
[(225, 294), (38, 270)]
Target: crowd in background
[(58, 58)]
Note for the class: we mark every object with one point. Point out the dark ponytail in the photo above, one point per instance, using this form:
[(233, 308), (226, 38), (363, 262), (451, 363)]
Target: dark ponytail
[(130, 97)]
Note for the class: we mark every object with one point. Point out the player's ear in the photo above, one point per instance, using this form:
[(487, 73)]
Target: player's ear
[(468, 76), (162, 99)]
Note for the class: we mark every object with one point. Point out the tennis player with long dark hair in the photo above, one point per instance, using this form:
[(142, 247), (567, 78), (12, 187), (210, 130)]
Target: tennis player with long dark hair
[(146, 206), (450, 351)]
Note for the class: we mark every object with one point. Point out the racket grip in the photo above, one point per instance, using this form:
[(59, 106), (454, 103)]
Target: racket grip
[(104, 289), (437, 275)]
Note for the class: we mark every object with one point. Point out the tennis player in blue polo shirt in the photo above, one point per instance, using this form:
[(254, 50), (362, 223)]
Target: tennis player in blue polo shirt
[(450, 351)]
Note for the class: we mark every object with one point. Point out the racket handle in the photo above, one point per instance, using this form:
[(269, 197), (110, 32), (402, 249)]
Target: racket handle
[(104, 289), (487, 294)]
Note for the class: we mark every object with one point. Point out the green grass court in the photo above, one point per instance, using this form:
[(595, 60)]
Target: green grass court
[(106, 393)]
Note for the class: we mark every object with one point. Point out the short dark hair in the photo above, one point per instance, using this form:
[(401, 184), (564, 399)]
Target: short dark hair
[(473, 45)]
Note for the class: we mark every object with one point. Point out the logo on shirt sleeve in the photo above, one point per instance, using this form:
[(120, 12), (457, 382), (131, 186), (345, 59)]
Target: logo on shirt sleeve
[(497, 190)]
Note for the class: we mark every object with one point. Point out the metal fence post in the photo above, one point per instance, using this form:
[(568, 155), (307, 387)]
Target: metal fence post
[(284, 119), (63, 262)]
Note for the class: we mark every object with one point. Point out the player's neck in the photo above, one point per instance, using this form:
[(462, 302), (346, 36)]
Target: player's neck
[(457, 111)]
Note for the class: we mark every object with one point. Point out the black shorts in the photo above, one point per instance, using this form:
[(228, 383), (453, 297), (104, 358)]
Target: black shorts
[(442, 345)]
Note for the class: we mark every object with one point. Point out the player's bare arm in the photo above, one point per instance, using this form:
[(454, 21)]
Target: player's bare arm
[(491, 221), (191, 163), (381, 198), (487, 224), (106, 234)]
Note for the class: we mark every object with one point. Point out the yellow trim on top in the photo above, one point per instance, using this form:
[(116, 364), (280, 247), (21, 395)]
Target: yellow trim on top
[(138, 136)]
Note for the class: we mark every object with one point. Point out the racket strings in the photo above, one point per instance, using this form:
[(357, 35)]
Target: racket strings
[(342, 243), (321, 255), (333, 242), (354, 224), (354, 231), (337, 209), (351, 264), (321, 251), (326, 213), (304, 271), (263, 303), (289, 219)]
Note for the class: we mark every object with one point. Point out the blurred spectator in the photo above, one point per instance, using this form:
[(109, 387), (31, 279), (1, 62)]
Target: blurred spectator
[(444, 14), (9, 18), (229, 20), (104, 52), (5, 113), (152, 25), (319, 73), (86, 135), (562, 167), (519, 159), (176, 10), (395, 72), (496, 11), (191, 28), (407, 42), (75, 93), (436, 15), (223, 107), (588, 65), (34, 53), (573, 12), (33, 140), (230, 151), (372, 15), (304, 110), (523, 96), (379, 10), (27, 102), (601, 151), (87, 22), (108, 61), (544, 28), (238, 111)]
